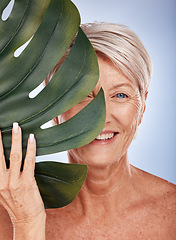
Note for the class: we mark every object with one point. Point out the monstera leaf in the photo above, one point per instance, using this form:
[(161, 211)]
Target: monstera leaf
[(51, 26)]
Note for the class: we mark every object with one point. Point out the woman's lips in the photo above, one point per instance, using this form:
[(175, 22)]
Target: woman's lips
[(105, 141)]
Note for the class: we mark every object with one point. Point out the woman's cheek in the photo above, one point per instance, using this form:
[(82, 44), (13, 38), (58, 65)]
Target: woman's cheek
[(135, 114), (129, 113), (68, 114), (72, 111)]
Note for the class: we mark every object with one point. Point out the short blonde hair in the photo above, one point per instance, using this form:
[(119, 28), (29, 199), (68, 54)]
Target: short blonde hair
[(123, 47)]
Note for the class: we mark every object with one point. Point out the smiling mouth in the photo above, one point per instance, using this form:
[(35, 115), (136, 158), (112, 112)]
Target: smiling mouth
[(106, 136)]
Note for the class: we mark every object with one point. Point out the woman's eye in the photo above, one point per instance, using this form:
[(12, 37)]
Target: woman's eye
[(121, 95)]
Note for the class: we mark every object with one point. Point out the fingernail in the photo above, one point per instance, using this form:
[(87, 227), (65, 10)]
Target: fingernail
[(15, 127), (31, 138)]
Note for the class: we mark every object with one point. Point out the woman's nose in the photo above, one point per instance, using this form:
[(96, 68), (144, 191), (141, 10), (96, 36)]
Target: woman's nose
[(108, 112)]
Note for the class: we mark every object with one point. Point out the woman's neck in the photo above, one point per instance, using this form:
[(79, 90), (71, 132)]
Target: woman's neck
[(106, 187), (102, 181)]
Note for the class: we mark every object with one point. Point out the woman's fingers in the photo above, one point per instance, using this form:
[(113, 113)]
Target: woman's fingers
[(2, 158), (19, 193), (29, 163), (15, 154)]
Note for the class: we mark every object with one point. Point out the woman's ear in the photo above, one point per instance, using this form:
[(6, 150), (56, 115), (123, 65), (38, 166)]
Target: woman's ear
[(143, 107), (144, 102), (146, 94)]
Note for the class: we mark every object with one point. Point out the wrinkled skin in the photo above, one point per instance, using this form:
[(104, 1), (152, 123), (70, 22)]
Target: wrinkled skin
[(123, 115)]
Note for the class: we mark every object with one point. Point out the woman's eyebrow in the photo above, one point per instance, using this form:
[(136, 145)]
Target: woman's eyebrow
[(121, 85)]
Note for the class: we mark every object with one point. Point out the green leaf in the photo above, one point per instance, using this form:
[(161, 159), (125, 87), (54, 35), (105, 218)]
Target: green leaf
[(53, 25), (64, 179)]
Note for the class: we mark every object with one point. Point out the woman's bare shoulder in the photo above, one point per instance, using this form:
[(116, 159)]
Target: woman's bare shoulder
[(159, 190), (159, 199), (6, 229), (155, 184)]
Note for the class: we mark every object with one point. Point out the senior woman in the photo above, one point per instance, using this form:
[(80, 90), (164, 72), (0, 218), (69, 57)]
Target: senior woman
[(117, 200)]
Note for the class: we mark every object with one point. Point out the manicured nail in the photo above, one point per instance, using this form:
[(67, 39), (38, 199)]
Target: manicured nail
[(31, 138), (15, 127)]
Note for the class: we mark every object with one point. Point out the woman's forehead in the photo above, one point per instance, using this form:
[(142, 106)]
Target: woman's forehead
[(111, 77)]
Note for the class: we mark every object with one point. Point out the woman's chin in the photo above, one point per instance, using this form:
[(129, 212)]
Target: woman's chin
[(98, 153), (98, 159), (93, 163)]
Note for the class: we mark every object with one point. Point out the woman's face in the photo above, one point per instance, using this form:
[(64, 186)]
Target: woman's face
[(124, 110)]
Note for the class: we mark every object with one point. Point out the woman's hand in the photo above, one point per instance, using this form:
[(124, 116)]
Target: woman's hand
[(19, 193)]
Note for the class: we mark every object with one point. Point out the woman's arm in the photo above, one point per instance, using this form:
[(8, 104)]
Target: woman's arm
[(19, 193)]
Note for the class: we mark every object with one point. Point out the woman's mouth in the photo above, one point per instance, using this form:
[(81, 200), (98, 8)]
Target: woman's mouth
[(105, 138)]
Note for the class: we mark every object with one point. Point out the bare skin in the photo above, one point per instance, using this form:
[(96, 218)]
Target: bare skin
[(19, 194), (117, 200), (149, 214)]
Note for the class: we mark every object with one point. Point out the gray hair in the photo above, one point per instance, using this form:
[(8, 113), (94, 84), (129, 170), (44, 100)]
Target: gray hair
[(123, 47)]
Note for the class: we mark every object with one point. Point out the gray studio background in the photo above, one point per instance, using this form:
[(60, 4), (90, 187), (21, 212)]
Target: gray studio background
[(154, 149)]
